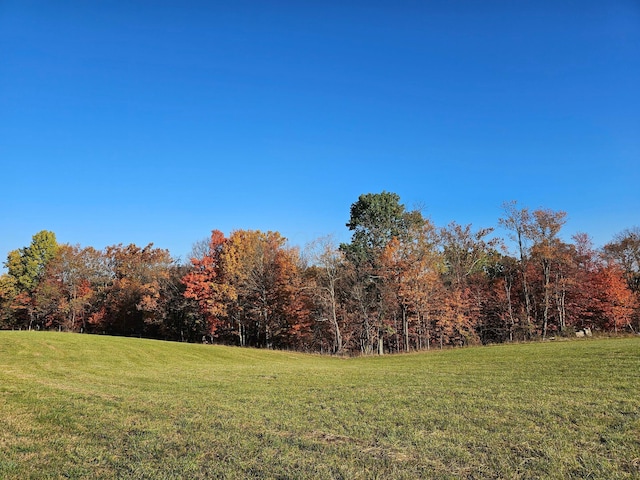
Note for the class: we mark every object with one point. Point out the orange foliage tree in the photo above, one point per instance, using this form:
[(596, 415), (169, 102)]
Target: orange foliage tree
[(131, 300), (250, 288), (205, 284), (410, 267)]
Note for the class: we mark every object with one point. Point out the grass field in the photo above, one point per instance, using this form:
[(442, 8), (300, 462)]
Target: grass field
[(80, 406)]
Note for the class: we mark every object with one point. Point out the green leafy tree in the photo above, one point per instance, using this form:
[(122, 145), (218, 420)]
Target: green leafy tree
[(8, 293), (27, 267), (376, 219)]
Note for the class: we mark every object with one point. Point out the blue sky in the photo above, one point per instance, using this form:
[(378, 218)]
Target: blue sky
[(141, 121)]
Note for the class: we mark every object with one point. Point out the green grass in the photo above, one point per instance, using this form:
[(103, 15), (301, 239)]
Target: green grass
[(80, 406)]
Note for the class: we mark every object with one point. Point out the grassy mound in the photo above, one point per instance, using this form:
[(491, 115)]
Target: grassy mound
[(80, 406)]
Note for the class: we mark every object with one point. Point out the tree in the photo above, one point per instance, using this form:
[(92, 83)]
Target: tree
[(617, 301), (205, 282), (518, 222), (8, 293), (249, 287), (625, 251), (546, 247), (270, 306), (77, 275), (466, 254), (499, 310), (27, 266), (410, 268), (328, 271), (375, 220), (576, 287), (131, 301), (182, 319)]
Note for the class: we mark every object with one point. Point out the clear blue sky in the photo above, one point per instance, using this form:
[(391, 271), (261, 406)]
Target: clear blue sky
[(158, 121)]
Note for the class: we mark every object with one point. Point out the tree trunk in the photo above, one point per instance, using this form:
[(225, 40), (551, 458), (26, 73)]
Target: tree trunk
[(525, 286), (546, 269), (396, 335), (560, 297), (507, 288), (427, 325), (405, 328), (527, 301), (336, 326)]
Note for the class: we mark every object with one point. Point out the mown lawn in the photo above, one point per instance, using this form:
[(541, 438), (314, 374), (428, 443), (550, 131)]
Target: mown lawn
[(80, 406)]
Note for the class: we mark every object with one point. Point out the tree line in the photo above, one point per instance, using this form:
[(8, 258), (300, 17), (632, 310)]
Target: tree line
[(400, 284)]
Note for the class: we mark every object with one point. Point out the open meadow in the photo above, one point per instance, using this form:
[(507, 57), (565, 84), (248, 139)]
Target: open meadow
[(81, 406)]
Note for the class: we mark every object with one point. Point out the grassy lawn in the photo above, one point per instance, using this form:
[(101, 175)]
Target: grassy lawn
[(80, 406)]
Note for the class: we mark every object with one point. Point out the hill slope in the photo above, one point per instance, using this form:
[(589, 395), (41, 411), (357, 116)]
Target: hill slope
[(88, 406)]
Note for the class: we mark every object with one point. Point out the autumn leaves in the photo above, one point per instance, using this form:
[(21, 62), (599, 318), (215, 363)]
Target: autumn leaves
[(400, 284), (250, 289)]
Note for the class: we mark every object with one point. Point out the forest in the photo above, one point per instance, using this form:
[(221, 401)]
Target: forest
[(401, 284)]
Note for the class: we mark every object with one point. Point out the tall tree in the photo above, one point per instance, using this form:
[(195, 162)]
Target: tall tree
[(249, 287), (27, 267), (270, 307), (518, 222), (500, 321), (410, 269), (8, 294), (183, 319), (546, 248), (465, 252), (206, 285), (625, 251), (328, 271), (78, 274), (617, 303), (376, 218), (132, 301), (466, 255)]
